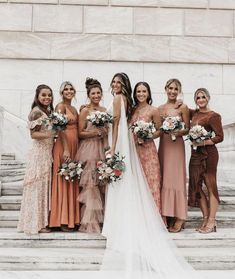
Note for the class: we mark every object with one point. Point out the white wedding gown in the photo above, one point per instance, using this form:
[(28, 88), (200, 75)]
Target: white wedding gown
[(138, 244)]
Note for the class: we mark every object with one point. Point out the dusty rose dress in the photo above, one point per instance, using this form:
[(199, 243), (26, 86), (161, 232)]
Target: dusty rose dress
[(64, 194), (173, 171), (90, 151), (204, 160), (147, 153), (35, 201)]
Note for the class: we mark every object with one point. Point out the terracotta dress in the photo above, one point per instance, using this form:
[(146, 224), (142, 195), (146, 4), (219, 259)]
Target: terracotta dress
[(204, 160), (173, 172), (148, 156), (35, 201), (64, 194), (91, 150)]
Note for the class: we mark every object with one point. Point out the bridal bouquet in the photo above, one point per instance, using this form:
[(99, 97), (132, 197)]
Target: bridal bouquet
[(71, 170), (172, 124), (143, 130), (111, 168), (99, 118), (198, 134)]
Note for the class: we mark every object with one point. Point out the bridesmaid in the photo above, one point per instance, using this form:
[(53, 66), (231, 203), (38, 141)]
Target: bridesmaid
[(64, 194), (172, 160), (35, 201), (203, 162), (147, 151), (93, 142)]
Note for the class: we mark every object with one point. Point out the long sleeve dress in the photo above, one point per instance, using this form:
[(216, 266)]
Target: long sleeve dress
[(204, 160)]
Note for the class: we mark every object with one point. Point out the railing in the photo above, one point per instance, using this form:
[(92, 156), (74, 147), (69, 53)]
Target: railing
[(14, 135), (226, 167)]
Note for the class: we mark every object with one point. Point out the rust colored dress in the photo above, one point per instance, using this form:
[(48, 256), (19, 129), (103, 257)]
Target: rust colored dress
[(204, 160), (148, 156), (173, 171), (64, 194)]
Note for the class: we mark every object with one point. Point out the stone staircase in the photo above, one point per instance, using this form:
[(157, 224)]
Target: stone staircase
[(78, 251)]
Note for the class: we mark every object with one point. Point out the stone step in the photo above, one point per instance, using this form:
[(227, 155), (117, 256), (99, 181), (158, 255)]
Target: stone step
[(12, 188), (48, 274), (8, 156), (91, 258), (186, 239), (13, 172), (12, 178), (10, 202), (225, 219), (11, 163)]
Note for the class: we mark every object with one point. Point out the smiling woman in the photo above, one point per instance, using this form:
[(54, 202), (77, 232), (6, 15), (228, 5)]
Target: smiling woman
[(64, 194), (172, 154)]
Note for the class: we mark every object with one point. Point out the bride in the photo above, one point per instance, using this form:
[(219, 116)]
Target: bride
[(138, 244)]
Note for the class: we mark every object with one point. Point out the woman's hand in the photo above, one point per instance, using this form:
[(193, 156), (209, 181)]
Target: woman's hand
[(66, 156)]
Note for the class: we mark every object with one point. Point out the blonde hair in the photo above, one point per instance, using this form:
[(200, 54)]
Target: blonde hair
[(64, 84), (204, 91), (176, 81)]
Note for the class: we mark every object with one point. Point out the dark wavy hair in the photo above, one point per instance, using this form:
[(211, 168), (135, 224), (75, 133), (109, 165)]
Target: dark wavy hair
[(36, 102), (92, 83), (149, 99), (126, 91)]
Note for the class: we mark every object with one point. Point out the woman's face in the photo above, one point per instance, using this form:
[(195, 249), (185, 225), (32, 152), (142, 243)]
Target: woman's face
[(117, 85), (172, 91), (68, 92), (142, 94), (45, 97), (95, 95), (201, 100)]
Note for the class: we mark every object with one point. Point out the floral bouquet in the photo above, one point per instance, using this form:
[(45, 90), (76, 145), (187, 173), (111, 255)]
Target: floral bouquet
[(58, 121), (143, 130), (71, 170), (197, 134), (99, 118), (111, 168), (171, 124)]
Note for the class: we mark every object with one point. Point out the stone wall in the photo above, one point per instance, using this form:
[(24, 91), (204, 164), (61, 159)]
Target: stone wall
[(49, 41)]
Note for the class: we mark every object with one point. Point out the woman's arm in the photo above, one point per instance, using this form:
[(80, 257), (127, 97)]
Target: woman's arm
[(116, 119), (82, 126), (157, 122), (185, 117), (216, 125)]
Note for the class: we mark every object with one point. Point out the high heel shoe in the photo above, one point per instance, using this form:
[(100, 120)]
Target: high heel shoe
[(203, 224), (209, 228), (177, 228)]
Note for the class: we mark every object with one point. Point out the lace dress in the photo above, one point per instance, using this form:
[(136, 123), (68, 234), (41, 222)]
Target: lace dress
[(37, 181)]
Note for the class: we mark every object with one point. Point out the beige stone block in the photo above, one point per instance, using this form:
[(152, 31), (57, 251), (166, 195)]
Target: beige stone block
[(158, 21), (222, 4), (199, 50), (57, 18), (80, 47), (135, 3), (209, 23), (184, 3), (35, 1), (231, 51), (24, 45), (85, 2), (140, 48), (27, 74), (112, 20), (228, 79), (78, 71), (192, 76), (15, 17)]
